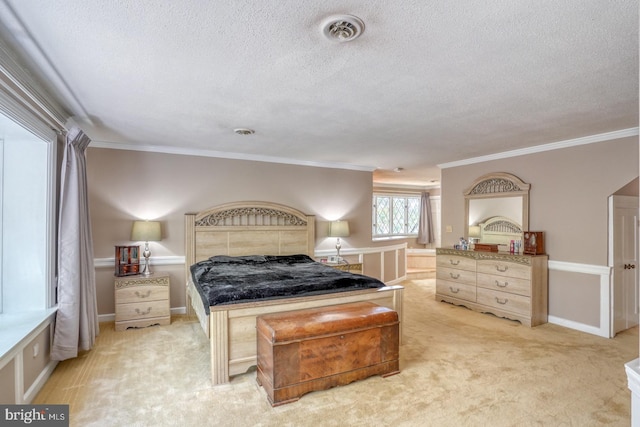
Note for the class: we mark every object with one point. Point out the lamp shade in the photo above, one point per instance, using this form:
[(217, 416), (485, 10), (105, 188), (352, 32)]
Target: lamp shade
[(474, 231), (339, 229), (146, 231)]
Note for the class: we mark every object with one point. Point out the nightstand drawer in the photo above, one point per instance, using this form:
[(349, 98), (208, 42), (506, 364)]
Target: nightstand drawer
[(142, 294), (141, 310)]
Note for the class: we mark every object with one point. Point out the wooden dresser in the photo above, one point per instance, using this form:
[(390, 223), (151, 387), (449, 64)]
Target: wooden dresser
[(142, 301), (507, 285), (319, 348)]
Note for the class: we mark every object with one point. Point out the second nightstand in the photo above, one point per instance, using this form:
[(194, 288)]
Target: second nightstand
[(142, 301), (351, 268)]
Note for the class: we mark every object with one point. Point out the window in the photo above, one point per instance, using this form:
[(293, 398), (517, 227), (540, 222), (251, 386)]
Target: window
[(26, 219), (395, 215)]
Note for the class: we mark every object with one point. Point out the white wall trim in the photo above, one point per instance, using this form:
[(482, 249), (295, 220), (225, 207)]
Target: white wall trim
[(421, 251), (604, 272), (359, 251), (180, 260), (154, 260), (224, 155), (590, 139), (575, 267)]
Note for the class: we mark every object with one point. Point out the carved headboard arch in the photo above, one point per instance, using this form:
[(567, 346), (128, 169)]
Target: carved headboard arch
[(251, 213), (248, 228)]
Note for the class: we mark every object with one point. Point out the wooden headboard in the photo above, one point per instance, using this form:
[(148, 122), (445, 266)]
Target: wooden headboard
[(248, 228), (500, 230)]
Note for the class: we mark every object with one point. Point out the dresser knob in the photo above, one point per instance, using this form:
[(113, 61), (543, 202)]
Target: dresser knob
[(503, 302), (142, 313), (454, 276), (498, 284), (455, 291), (452, 262), (502, 270)]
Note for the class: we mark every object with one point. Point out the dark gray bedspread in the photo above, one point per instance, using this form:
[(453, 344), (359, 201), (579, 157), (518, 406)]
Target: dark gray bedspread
[(233, 280)]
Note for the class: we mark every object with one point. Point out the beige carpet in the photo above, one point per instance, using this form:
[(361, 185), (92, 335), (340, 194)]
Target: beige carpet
[(458, 368)]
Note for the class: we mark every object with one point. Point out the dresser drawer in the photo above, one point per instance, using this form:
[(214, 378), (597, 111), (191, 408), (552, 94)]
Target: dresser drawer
[(141, 310), (455, 275), (456, 290), (504, 268), (513, 285), (142, 294), (455, 261), (504, 301)]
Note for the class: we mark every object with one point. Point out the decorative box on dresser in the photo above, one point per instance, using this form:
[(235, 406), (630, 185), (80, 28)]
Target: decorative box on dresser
[(142, 301), (512, 286)]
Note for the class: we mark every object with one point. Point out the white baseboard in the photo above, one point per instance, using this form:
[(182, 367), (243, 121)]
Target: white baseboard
[(111, 317), (578, 326), (37, 385)]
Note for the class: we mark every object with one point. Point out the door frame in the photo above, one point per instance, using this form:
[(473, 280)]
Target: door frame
[(610, 239)]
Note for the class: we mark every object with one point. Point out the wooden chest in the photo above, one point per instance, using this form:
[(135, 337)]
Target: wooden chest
[(319, 348)]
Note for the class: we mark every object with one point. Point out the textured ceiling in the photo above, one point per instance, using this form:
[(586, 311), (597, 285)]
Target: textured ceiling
[(428, 82)]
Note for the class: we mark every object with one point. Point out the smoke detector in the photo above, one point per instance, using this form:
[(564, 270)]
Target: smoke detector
[(342, 28)]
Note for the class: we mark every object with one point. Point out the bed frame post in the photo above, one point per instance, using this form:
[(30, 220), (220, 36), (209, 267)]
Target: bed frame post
[(398, 298), (311, 235), (219, 331), (190, 253)]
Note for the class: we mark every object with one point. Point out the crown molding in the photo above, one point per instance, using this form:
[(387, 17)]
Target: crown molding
[(224, 155), (15, 77), (591, 139)]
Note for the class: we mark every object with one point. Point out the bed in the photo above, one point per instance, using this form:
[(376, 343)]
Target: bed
[(249, 229)]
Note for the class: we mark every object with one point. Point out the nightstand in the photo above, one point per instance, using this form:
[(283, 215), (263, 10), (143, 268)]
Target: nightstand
[(351, 268), (142, 301)]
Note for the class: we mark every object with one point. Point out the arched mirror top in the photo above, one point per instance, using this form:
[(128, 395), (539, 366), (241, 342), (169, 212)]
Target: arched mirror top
[(498, 184), (492, 196)]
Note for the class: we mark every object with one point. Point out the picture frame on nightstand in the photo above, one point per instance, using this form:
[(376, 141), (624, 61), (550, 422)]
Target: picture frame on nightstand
[(127, 260)]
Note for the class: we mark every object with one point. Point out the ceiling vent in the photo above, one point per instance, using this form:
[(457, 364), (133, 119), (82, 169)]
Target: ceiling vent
[(244, 131), (342, 28)]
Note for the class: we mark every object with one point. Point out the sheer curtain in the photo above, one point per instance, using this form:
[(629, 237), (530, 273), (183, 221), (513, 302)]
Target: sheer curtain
[(425, 226), (76, 325)]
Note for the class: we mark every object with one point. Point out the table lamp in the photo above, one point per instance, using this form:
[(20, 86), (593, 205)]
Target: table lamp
[(338, 229), (146, 231)]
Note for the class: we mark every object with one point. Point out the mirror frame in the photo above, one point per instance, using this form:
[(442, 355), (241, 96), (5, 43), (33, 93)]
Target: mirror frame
[(497, 184)]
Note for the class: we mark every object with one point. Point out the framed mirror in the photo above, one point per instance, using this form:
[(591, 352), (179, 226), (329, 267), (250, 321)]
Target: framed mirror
[(497, 209)]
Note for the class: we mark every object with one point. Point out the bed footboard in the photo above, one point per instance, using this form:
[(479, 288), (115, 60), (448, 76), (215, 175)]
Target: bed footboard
[(233, 328)]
